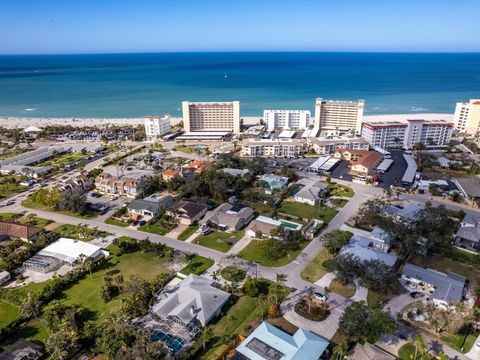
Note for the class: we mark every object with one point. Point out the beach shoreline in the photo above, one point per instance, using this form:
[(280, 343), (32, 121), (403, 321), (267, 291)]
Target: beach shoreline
[(23, 122)]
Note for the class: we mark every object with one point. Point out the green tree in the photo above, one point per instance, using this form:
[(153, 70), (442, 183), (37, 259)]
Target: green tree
[(335, 240), (61, 345), (251, 287)]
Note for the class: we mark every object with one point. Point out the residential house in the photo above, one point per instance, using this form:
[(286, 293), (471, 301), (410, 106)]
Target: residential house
[(269, 342), (469, 186), (380, 239), (169, 174), (194, 300), (109, 184), (359, 247), (235, 172), (228, 217), (195, 167), (468, 233), (188, 212), (264, 225), (149, 207), (408, 214), (310, 193), (274, 182), (444, 288), (20, 231), (368, 351), (22, 349)]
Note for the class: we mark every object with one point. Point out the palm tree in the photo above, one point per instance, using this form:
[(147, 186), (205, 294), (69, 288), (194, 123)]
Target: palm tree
[(420, 346), (280, 278), (31, 307), (215, 274), (340, 350), (205, 336)]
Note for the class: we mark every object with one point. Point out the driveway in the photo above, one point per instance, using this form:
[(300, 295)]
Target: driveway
[(396, 304)]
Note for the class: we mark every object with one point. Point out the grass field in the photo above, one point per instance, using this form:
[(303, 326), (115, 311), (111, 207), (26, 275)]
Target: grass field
[(254, 252), (9, 187), (36, 221), (30, 204), (116, 222), (185, 234), (63, 160), (8, 313), (305, 211), (73, 231), (459, 341), (198, 265), (339, 202), (407, 352), (340, 190), (338, 287), (184, 149), (316, 269), (218, 240), (156, 228)]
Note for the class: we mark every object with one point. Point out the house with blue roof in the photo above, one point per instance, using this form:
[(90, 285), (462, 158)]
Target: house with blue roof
[(267, 342)]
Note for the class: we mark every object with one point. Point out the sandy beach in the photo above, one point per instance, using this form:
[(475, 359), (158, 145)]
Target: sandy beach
[(23, 122)]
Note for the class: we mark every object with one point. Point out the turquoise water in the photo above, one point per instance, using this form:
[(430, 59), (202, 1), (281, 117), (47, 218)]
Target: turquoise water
[(134, 85), (290, 225)]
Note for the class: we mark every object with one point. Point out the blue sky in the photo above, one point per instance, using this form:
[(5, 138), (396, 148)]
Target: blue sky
[(93, 26)]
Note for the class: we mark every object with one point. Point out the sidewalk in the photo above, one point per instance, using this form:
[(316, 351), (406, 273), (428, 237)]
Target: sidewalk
[(239, 245)]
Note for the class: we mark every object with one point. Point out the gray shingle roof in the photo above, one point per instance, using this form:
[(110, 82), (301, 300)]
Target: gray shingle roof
[(448, 287), (311, 191), (193, 298), (359, 246), (224, 215)]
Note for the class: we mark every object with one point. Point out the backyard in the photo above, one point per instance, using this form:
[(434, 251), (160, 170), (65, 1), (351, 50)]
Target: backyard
[(218, 240), (318, 267), (305, 211), (255, 251)]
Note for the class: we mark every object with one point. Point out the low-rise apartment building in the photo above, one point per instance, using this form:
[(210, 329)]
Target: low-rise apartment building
[(272, 147), (108, 184), (327, 145), (405, 134), (78, 184)]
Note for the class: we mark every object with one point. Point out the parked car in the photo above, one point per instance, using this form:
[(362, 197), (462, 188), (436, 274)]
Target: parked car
[(477, 344), (10, 202), (205, 231), (415, 294), (319, 296)]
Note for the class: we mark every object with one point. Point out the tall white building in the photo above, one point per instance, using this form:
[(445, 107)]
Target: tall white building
[(405, 134), (339, 115), (467, 116), (156, 126), (211, 116), (286, 119)]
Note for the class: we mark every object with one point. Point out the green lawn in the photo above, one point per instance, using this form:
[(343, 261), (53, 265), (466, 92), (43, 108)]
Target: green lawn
[(339, 202), (63, 160), (305, 211), (378, 299), (218, 240), (73, 231), (459, 341), (36, 221), (232, 273), (261, 208), (185, 234), (30, 204), (116, 222), (254, 252), (340, 190), (198, 265), (35, 331), (184, 149), (8, 188), (407, 352), (8, 313), (316, 269), (338, 287), (7, 216)]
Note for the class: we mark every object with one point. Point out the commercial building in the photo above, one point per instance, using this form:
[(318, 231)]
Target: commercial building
[(362, 162), (272, 148), (405, 134), (156, 126), (269, 342), (443, 288), (327, 145), (286, 119), (467, 116), (339, 115), (211, 116)]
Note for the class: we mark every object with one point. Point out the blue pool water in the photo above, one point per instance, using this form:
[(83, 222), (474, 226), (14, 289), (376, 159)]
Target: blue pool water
[(172, 342)]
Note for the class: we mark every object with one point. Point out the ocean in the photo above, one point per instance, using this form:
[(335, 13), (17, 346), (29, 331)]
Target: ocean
[(134, 85)]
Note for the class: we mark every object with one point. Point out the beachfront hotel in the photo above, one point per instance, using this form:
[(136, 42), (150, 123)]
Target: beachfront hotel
[(467, 116), (405, 134), (211, 117), (156, 126), (272, 147), (286, 119), (339, 115)]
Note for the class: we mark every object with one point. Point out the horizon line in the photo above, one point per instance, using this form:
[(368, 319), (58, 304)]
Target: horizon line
[(241, 51)]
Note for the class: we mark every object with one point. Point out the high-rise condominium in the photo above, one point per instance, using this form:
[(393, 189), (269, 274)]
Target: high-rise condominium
[(339, 115), (467, 116), (286, 119), (156, 126), (211, 116)]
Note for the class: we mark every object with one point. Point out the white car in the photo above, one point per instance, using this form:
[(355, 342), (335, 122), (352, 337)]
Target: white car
[(320, 296)]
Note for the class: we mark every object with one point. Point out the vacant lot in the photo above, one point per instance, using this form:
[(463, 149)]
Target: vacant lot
[(255, 251), (80, 232), (305, 211), (62, 160), (218, 240)]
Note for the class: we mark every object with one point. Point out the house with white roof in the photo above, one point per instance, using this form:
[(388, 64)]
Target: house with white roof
[(310, 193), (271, 343), (360, 247)]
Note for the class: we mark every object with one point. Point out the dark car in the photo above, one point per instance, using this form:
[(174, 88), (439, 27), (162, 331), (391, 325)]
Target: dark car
[(415, 295)]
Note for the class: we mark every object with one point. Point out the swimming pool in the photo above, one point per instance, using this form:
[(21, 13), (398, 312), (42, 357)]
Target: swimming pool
[(175, 344), (290, 225)]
